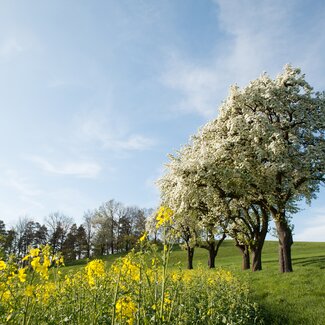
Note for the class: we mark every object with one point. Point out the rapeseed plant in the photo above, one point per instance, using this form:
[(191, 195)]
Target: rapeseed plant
[(139, 288)]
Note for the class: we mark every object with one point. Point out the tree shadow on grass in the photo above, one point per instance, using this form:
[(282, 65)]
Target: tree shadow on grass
[(273, 318), (317, 261)]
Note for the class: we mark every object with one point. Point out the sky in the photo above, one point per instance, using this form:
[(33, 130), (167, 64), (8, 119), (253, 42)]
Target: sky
[(95, 94)]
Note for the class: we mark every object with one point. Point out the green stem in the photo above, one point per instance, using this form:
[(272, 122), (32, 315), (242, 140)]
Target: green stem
[(115, 298), (163, 285), (25, 321)]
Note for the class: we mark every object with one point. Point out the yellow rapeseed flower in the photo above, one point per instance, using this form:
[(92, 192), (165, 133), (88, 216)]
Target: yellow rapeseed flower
[(95, 269), (126, 309), (176, 277), (34, 252), (3, 265), (21, 275), (143, 237), (46, 262), (225, 275), (6, 295), (164, 216), (29, 291), (35, 263), (130, 269), (58, 259), (45, 292), (167, 301), (26, 257)]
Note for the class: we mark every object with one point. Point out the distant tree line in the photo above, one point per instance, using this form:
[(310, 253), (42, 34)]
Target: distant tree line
[(112, 228)]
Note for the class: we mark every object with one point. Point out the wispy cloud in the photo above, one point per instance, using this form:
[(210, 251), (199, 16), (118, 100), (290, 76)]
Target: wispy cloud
[(23, 188), (21, 197), (21, 184), (314, 229), (112, 134), (260, 36), (9, 47), (83, 169), (198, 86)]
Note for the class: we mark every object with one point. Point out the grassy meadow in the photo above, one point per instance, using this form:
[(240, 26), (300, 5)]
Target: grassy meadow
[(294, 298)]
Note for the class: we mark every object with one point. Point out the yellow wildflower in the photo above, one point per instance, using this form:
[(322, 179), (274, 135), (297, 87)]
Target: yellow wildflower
[(29, 291), (26, 257), (95, 269), (21, 275), (43, 271), (6, 295), (35, 263), (58, 259), (46, 262), (164, 216), (143, 237), (176, 277), (225, 276), (130, 269), (167, 301), (126, 309), (3, 265), (45, 292), (34, 252)]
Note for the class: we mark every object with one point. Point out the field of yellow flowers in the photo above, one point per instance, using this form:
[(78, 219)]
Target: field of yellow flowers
[(137, 289)]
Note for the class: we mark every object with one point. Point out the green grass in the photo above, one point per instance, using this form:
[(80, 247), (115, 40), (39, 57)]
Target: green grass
[(292, 298)]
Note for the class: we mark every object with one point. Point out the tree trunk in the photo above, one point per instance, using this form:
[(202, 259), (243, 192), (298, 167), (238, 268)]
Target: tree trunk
[(190, 255), (257, 250), (257, 259), (260, 234), (212, 257), (245, 256), (213, 251), (212, 247), (285, 243)]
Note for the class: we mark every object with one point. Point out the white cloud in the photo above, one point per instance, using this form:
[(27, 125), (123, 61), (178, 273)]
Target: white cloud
[(314, 229), (20, 184), (198, 86), (10, 47), (19, 194), (83, 169), (111, 134), (257, 36)]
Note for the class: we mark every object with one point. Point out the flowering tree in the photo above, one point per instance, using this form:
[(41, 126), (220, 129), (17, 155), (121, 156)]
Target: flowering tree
[(270, 140), (241, 216), (199, 218), (261, 155)]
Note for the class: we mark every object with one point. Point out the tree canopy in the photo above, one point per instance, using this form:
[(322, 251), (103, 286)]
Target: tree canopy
[(263, 153)]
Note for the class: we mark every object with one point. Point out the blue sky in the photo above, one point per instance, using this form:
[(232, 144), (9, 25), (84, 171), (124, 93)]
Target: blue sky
[(95, 94)]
